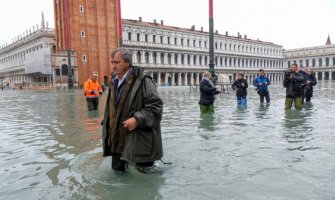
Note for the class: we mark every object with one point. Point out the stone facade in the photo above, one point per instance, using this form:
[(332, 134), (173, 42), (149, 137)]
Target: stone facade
[(320, 58), (91, 31), (27, 60), (179, 56)]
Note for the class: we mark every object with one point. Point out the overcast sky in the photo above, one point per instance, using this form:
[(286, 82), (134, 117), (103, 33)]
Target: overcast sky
[(290, 23)]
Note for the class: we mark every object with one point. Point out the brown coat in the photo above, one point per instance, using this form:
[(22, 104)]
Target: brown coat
[(139, 99)]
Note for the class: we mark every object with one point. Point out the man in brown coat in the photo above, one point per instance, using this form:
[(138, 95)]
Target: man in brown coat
[(131, 126)]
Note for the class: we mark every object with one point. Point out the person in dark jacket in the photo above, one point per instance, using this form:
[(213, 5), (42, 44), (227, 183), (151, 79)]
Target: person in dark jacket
[(310, 82), (207, 92), (131, 125), (262, 82), (241, 85), (293, 82)]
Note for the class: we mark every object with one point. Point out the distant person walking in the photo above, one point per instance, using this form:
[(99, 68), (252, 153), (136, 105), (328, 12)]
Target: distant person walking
[(241, 85), (294, 83), (207, 94), (93, 91), (310, 83), (262, 82)]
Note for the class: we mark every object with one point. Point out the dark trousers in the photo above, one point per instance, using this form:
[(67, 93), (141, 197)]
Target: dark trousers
[(262, 94), (92, 103), (120, 165)]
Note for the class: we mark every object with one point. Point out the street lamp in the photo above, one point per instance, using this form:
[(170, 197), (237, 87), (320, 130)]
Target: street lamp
[(211, 41)]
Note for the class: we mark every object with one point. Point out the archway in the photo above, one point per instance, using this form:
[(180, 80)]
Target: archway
[(176, 77), (155, 77), (326, 76), (319, 75)]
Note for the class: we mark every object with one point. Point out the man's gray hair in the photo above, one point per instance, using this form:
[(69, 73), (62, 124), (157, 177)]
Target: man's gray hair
[(125, 54)]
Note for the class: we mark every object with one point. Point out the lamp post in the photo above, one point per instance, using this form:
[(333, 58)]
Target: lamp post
[(119, 23), (211, 41)]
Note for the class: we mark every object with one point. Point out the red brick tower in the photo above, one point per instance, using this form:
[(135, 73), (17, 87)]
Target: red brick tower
[(90, 28)]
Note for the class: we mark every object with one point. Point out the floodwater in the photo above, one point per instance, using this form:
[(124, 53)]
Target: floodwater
[(50, 148)]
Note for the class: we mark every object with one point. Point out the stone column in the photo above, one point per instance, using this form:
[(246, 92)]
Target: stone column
[(159, 79), (323, 75), (134, 57), (185, 80), (166, 82), (179, 59), (151, 57), (142, 57), (173, 79), (179, 79), (197, 78)]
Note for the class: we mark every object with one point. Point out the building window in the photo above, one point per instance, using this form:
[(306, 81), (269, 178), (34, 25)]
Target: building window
[(168, 40), (182, 42), (327, 61), (188, 42), (84, 58), (81, 8), (162, 58), (146, 57), (320, 62), (129, 36), (205, 46), (307, 63), (138, 57), (65, 70), (138, 37), (155, 57), (194, 60), (82, 33), (169, 59), (188, 59), (57, 72), (182, 59), (313, 63), (161, 39), (199, 43), (175, 58), (154, 38), (200, 60), (146, 37), (194, 43), (175, 41), (216, 45)]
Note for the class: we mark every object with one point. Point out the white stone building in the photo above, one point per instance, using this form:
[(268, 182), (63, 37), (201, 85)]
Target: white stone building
[(178, 56), (31, 61), (320, 58)]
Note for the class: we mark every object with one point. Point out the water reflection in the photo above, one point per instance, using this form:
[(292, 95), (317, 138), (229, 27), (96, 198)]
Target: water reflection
[(207, 122)]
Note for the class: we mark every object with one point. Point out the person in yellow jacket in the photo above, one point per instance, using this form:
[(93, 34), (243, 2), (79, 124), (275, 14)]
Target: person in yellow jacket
[(93, 91)]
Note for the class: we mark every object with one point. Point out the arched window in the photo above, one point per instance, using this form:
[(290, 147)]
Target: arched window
[(138, 56), (221, 61), (162, 58), (65, 70), (327, 61), (169, 59), (194, 60), (333, 61), (200, 60), (182, 59), (320, 61), (146, 57), (206, 60), (300, 63), (155, 57), (176, 58), (216, 61), (313, 62), (188, 59), (307, 63)]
